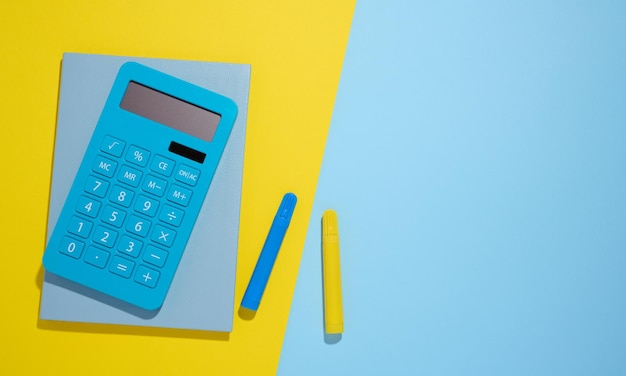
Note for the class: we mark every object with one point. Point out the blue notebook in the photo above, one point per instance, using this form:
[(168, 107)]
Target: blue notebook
[(201, 296)]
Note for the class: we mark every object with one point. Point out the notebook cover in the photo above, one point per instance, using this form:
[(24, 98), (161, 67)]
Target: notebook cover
[(201, 296)]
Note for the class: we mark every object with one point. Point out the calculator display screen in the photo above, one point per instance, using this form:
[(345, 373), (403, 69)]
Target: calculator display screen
[(167, 110)]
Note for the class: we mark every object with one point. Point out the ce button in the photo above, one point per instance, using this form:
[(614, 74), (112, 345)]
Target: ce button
[(162, 165)]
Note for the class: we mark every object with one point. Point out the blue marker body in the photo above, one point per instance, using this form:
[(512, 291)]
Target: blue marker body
[(265, 263)]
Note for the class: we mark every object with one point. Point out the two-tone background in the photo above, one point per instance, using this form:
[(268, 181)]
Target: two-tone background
[(475, 158)]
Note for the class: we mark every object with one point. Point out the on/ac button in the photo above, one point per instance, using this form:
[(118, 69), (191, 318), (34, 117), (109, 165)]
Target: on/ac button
[(187, 175)]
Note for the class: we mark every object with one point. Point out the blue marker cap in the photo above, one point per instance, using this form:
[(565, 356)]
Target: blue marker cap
[(265, 263)]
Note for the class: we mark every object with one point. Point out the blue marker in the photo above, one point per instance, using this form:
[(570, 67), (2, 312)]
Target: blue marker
[(265, 263)]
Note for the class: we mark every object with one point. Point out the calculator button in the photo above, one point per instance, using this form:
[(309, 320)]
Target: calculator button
[(96, 257), (104, 236), (121, 196), (146, 277), (154, 185), (138, 225), (129, 176), (121, 266), (163, 235), (179, 195), (155, 256), (104, 166), (88, 206), (79, 226), (96, 186), (129, 246), (113, 216), (162, 165), (146, 205), (137, 156), (187, 175), (71, 247), (171, 215), (113, 146)]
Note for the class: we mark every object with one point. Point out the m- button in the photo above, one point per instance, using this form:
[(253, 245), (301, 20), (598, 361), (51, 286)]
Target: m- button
[(187, 175), (154, 185)]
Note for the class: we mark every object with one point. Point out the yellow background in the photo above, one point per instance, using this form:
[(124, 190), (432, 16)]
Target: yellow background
[(295, 49)]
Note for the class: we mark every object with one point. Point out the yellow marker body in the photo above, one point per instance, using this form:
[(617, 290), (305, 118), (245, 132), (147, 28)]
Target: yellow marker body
[(333, 303)]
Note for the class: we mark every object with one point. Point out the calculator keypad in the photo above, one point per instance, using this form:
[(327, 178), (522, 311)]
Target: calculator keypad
[(126, 219)]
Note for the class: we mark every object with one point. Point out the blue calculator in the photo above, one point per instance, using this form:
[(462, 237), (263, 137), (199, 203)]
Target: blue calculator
[(140, 186)]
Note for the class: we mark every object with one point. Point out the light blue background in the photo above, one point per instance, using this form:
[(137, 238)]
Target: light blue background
[(477, 162)]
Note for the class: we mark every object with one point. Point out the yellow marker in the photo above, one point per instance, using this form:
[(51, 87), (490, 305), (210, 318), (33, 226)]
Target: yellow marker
[(333, 306)]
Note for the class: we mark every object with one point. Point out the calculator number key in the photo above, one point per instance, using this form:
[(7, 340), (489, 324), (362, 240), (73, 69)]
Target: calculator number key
[(146, 276), (146, 205), (163, 235), (112, 145), (71, 247), (129, 246), (179, 195), (104, 236), (79, 226), (87, 206), (95, 186), (137, 156), (104, 166), (113, 216), (138, 226), (121, 196)]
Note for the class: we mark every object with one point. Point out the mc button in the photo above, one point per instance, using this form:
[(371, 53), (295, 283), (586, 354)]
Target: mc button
[(104, 166)]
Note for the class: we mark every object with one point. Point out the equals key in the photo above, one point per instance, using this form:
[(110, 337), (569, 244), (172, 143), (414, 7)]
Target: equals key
[(121, 267)]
